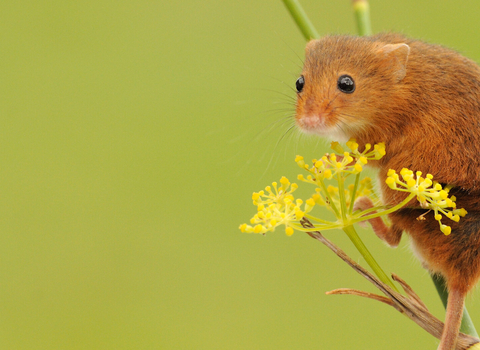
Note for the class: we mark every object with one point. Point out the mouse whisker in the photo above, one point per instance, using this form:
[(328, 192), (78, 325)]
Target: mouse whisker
[(272, 126), (289, 97), (280, 110), (286, 133)]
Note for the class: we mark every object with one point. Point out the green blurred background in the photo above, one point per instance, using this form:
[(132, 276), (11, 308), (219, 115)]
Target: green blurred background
[(132, 134)]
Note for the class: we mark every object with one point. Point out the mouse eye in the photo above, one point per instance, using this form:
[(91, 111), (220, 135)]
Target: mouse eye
[(300, 83), (346, 84)]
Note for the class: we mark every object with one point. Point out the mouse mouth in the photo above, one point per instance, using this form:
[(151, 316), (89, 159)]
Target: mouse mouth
[(313, 124), (316, 124)]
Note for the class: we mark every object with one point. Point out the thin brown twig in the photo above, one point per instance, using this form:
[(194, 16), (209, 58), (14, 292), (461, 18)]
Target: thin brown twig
[(411, 305), (361, 294)]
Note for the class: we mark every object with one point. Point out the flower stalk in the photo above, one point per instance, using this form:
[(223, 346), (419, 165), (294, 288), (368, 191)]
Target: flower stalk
[(352, 234), (361, 10), (301, 19), (467, 325)]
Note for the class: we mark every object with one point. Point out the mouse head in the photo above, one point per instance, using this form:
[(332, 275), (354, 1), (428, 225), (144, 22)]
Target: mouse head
[(347, 85)]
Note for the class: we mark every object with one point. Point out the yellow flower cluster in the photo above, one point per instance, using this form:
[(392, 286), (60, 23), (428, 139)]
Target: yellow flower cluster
[(346, 163), (430, 194), (365, 188), (277, 207)]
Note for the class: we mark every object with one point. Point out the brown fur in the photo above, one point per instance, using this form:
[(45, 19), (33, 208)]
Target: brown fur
[(429, 121)]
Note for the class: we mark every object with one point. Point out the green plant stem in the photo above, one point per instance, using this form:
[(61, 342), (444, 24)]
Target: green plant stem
[(362, 16), (467, 326), (341, 193), (329, 199), (384, 212), (352, 234), (300, 17), (313, 218), (354, 193)]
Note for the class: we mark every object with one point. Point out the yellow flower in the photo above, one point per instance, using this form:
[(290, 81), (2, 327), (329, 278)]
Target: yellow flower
[(278, 195), (344, 163), (277, 207), (430, 194)]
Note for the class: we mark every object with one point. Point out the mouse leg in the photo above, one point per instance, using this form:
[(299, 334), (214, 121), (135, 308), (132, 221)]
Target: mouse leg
[(453, 319), (389, 234)]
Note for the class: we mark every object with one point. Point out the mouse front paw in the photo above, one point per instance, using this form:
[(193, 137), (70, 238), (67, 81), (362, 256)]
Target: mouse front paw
[(362, 203)]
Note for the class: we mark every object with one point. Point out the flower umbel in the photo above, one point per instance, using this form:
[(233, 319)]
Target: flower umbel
[(343, 163), (277, 206), (430, 194)]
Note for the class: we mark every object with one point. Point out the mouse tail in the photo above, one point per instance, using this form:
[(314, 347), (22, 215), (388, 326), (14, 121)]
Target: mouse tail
[(453, 319)]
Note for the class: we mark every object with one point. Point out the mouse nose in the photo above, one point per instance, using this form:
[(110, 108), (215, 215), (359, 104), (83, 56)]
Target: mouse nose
[(312, 121), (316, 107)]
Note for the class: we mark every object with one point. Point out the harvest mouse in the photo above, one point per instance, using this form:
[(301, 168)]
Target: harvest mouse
[(423, 102)]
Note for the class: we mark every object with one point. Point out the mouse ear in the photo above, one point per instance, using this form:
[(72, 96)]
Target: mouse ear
[(397, 55)]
